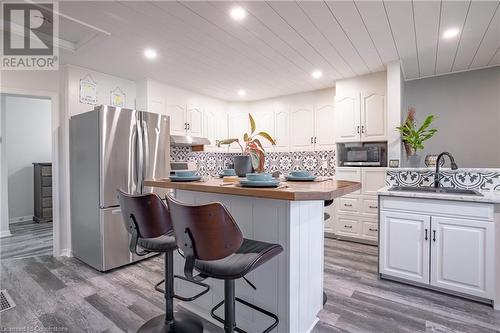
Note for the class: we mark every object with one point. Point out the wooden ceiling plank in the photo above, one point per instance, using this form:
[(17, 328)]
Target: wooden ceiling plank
[(453, 15), (400, 16), (352, 24), (489, 43), (319, 13), (480, 16), (373, 16), (427, 16)]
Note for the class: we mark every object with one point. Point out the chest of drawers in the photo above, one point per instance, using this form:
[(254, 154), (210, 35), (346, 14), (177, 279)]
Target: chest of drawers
[(42, 175)]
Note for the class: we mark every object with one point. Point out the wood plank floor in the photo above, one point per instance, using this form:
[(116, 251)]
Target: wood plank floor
[(28, 239), (63, 292)]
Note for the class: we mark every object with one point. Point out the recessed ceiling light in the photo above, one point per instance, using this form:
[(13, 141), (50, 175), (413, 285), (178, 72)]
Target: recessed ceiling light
[(317, 74), (150, 54), (238, 13), (450, 33), (242, 92)]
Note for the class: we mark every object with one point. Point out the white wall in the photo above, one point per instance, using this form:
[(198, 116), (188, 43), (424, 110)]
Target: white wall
[(395, 97), (105, 84), (28, 139), (467, 106), (37, 83)]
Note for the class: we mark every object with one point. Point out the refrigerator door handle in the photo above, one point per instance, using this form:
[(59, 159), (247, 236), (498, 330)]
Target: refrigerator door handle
[(140, 155), (146, 157)]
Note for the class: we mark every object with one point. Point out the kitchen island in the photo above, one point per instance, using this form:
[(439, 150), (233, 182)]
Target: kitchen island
[(290, 285)]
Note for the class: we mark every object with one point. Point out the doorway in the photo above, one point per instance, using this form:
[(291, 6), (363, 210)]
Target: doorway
[(27, 176)]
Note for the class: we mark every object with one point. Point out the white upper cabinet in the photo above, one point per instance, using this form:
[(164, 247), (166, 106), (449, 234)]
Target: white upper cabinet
[(361, 117), (264, 121), (282, 129), (373, 117), (404, 246), (302, 128), (194, 120), (177, 119), (463, 255), (347, 118), (238, 124), (324, 132), (215, 128)]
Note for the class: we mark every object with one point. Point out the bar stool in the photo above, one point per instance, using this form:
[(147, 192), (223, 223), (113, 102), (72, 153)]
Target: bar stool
[(147, 220), (213, 244)]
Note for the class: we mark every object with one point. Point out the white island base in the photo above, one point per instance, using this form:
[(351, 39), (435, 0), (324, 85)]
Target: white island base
[(290, 285)]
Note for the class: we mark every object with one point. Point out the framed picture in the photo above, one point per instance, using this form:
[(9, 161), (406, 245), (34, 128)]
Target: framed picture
[(117, 97), (393, 163), (88, 90)]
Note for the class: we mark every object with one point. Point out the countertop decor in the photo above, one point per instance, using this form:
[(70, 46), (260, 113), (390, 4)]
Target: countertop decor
[(253, 148), (413, 137)]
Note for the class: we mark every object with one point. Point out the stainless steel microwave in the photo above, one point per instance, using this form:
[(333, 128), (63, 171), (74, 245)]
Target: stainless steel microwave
[(363, 156)]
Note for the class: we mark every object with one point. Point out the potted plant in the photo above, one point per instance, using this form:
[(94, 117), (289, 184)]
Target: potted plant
[(253, 153), (413, 137)]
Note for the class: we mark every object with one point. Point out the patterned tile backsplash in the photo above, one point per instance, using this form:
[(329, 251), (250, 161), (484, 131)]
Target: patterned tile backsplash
[(321, 163), (478, 179)]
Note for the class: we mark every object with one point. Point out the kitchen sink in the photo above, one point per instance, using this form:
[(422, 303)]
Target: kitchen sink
[(429, 189)]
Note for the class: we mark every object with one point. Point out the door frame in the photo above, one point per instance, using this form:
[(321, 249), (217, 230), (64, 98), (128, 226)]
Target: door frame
[(55, 158)]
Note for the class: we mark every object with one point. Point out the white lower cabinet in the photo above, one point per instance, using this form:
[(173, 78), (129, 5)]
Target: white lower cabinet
[(356, 214), (462, 255), (431, 242), (404, 246)]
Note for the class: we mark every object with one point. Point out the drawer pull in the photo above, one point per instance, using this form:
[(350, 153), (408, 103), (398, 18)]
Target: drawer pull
[(348, 226), (348, 205), (371, 229), (373, 207)]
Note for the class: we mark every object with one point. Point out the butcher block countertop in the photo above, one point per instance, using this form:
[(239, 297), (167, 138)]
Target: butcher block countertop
[(288, 190)]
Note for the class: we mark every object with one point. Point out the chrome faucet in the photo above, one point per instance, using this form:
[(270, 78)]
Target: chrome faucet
[(436, 174)]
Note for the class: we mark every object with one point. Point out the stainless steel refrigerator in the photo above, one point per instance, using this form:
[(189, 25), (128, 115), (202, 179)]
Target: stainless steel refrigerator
[(111, 148)]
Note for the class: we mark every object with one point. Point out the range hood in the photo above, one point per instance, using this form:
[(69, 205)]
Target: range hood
[(187, 141)]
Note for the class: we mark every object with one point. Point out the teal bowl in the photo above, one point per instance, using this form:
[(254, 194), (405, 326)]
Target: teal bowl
[(228, 172), (185, 173), (259, 176), (300, 174)]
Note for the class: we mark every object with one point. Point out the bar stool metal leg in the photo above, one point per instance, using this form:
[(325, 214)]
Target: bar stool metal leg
[(229, 306), (166, 323)]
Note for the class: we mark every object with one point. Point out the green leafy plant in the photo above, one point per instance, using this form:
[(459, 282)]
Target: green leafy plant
[(413, 137), (253, 145)]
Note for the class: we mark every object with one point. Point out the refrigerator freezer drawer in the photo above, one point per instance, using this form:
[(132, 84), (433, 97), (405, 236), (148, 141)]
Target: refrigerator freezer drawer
[(115, 239)]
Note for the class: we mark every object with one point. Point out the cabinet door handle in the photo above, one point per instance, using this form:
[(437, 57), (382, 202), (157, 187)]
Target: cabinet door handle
[(371, 229), (348, 205), (312, 140), (433, 235), (357, 129), (348, 226), (185, 126), (363, 129), (373, 207), (189, 126), (315, 139), (426, 238)]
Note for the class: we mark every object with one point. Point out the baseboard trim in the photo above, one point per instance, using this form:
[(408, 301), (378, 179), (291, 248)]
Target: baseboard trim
[(65, 253), (20, 219), (5, 233)]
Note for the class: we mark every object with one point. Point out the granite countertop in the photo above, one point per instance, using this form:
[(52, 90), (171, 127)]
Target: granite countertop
[(487, 196), (294, 191)]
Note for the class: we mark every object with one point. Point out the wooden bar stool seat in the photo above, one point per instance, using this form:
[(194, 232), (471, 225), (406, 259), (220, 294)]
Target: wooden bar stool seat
[(213, 244), (147, 220)]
